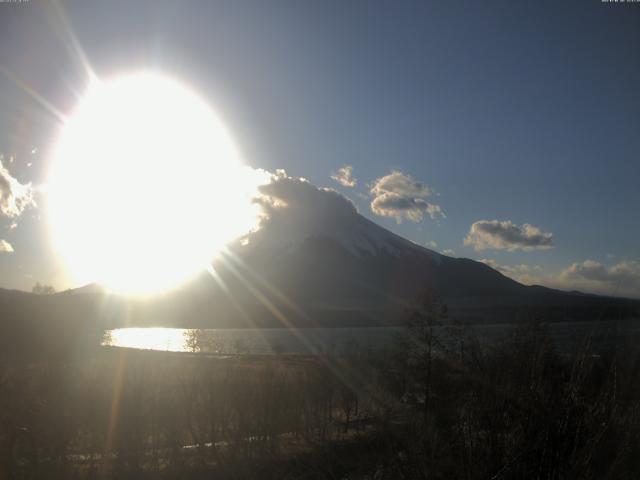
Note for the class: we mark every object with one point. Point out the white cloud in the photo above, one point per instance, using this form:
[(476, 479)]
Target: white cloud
[(14, 196), (449, 252), (344, 176), (622, 278), (5, 246), (506, 235), (435, 211), (432, 244), (400, 196)]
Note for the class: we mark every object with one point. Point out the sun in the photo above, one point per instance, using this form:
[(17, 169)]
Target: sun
[(145, 185)]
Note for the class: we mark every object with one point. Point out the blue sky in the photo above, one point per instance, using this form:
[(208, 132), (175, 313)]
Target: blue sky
[(512, 111)]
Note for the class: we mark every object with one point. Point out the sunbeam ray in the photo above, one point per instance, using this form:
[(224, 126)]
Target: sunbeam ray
[(29, 90)]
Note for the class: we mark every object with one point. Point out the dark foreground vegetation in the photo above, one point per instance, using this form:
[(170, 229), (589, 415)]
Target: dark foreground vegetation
[(445, 407)]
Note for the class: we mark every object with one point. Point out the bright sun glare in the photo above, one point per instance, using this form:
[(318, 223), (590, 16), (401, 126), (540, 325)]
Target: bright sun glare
[(145, 186)]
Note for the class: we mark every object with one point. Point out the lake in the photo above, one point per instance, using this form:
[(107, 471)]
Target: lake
[(316, 341), (267, 341)]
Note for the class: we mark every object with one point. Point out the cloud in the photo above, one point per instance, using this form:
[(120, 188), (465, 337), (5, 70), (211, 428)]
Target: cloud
[(400, 196), (622, 278), (506, 235), (293, 209), (15, 197), (435, 211), (300, 194), (449, 252), (344, 176), (5, 246), (522, 272)]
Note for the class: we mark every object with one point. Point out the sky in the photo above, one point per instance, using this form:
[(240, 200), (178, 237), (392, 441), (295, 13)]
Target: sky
[(500, 131)]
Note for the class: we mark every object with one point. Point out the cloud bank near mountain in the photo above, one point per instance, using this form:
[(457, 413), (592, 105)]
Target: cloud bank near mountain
[(293, 208), (522, 272), (619, 279), (622, 278)]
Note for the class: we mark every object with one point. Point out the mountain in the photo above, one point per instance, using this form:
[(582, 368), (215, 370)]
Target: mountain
[(315, 261), (343, 269)]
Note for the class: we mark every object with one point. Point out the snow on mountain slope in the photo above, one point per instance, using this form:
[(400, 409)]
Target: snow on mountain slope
[(364, 236)]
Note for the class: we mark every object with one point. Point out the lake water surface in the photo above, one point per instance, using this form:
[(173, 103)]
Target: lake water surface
[(267, 341), (316, 341)]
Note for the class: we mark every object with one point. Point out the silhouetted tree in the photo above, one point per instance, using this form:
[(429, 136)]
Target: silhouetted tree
[(422, 340), (43, 289)]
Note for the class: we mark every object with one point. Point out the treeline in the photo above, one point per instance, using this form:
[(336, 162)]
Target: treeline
[(432, 406), (514, 409)]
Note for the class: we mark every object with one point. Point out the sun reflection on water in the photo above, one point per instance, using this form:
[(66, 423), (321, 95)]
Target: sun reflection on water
[(156, 338)]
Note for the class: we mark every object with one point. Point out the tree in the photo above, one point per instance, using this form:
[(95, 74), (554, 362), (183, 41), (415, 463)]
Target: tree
[(422, 340), (43, 289)]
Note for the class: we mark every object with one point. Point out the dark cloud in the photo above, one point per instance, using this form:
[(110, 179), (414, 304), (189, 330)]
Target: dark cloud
[(506, 235), (400, 196)]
